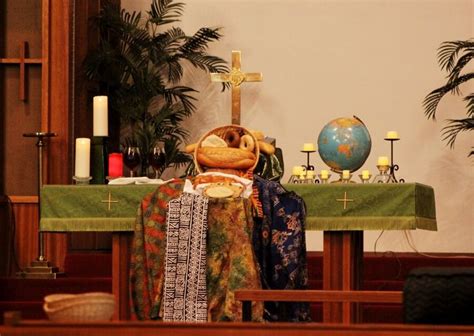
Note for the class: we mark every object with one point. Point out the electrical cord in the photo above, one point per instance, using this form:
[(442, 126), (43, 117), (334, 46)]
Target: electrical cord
[(411, 243)]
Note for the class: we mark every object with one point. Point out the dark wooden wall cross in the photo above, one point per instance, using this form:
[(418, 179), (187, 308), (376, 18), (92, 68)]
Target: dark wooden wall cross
[(22, 61)]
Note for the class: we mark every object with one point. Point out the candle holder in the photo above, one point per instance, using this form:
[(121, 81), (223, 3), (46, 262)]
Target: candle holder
[(82, 180), (40, 268), (382, 176), (345, 179), (365, 179), (308, 153), (393, 167), (99, 160), (325, 179)]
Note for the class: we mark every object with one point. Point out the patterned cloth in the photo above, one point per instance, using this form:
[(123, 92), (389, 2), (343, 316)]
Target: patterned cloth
[(185, 296), (280, 247), (231, 263)]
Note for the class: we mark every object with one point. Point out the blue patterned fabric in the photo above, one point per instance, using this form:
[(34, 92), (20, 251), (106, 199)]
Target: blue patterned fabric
[(280, 248)]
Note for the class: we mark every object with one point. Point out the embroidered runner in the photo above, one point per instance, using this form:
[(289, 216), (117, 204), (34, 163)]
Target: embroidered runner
[(185, 295)]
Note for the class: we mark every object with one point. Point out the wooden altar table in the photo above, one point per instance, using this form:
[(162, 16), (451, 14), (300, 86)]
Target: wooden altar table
[(342, 211)]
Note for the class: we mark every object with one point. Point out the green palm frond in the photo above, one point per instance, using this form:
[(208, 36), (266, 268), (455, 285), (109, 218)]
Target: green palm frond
[(448, 52), (432, 100), (456, 126), (199, 41), (470, 104), (461, 63), (165, 11), (139, 65)]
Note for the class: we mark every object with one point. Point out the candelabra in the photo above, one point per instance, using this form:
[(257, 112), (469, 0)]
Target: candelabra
[(393, 167)]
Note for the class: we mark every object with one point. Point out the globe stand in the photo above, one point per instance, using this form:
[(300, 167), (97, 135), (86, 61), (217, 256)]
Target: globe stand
[(393, 167)]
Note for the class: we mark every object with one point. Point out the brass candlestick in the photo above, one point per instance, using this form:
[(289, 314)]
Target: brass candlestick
[(40, 268)]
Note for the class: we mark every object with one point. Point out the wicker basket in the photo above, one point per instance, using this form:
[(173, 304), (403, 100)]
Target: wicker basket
[(80, 307), (221, 131)]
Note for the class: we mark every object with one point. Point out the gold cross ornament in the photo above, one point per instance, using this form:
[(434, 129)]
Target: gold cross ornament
[(236, 77), (109, 201), (345, 200)]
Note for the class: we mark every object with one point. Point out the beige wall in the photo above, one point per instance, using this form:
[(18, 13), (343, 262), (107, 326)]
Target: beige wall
[(323, 59)]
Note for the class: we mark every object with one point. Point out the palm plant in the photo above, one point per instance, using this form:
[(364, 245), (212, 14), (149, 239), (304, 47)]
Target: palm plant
[(453, 56), (139, 65)]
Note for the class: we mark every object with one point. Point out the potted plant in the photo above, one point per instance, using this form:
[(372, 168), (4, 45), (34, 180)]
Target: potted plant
[(139, 64), (453, 56)]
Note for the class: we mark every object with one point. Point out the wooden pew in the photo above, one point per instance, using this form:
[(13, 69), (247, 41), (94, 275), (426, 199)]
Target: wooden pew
[(122, 328), (247, 296)]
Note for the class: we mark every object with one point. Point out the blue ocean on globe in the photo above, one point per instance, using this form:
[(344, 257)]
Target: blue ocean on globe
[(344, 144)]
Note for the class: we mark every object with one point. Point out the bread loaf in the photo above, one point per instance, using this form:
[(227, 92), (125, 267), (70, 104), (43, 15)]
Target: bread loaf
[(221, 157)]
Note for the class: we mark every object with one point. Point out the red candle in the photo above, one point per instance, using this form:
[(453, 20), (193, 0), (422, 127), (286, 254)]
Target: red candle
[(115, 165)]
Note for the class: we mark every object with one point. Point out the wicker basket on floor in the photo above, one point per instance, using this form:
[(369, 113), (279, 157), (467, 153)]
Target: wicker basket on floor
[(94, 306), (221, 132)]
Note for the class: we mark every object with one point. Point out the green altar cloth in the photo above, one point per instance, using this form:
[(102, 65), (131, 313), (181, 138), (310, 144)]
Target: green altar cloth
[(377, 206), (68, 208), (403, 206)]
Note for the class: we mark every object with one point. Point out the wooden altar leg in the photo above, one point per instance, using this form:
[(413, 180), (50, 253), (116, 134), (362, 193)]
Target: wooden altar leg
[(342, 270), (121, 243)]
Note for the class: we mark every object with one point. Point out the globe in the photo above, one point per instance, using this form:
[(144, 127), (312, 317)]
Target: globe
[(344, 144)]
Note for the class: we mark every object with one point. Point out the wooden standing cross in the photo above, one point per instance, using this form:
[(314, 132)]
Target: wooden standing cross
[(235, 78), (22, 61)]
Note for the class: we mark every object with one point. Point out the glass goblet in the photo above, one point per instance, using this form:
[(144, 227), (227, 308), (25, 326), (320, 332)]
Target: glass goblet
[(156, 158), (131, 158)]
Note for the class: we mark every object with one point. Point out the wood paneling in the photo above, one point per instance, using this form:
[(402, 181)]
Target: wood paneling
[(25, 211)]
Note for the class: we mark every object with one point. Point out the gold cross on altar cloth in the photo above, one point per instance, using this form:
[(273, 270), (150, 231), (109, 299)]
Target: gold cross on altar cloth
[(345, 200), (235, 78), (109, 201)]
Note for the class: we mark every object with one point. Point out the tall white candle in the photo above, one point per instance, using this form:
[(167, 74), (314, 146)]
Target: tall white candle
[(83, 151), (100, 105)]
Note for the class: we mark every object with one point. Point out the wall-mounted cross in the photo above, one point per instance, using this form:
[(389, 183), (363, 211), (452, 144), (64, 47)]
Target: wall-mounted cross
[(345, 200), (109, 201), (22, 61), (236, 77)]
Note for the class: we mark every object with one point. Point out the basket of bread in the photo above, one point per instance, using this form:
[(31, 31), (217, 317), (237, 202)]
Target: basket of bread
[(94, 306), (231, 149)]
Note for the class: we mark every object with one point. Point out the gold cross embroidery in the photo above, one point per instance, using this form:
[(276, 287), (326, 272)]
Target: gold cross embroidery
[(109, 201), (236, 77), (345, 200)]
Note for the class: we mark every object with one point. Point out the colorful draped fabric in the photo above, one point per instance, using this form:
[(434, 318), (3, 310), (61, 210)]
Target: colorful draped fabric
[(279, 243), (185, 296), (231, 263)]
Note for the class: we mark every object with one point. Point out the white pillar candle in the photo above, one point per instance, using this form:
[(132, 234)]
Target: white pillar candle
[(83, 151), (309, 147), (324, 174), (100, 105), (393, 135), (345, 174), (382, 161), (365, 174)]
